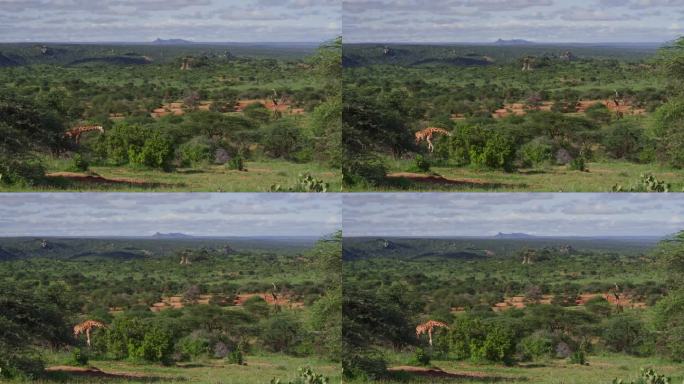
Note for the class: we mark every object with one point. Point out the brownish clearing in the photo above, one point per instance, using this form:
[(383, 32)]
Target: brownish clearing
[(283, 107), (438, 373), (178, 109), (97, 179), (520, 109), (176, 302), (95, 372), (626, 301), (436, 179)]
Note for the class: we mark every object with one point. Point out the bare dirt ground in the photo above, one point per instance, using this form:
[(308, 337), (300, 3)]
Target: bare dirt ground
[(95, 372), (520, 109), (93, 178), (176, 302), (436, 179), (438, 373)]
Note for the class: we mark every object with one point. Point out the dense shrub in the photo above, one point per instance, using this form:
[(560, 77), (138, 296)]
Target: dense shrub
[(140, 145), (421, 357), (624, 141), (536, 152), (193, 346), (281, 333), (199, 150), (538, 345), (79, 357), (624, 333)]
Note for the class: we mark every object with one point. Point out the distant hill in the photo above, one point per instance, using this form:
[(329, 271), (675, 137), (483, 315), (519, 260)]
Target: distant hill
[(7, 62), (513, 236), (513, 42), (171, 236), (172, 42)]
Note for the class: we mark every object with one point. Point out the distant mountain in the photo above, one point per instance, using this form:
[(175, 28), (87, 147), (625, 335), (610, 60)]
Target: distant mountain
[(7, 62), (513, 236), (171, 42), (171, 236), (513, 42)]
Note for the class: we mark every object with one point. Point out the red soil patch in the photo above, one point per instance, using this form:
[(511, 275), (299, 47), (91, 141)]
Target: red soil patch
[(626, 301), (177, 109), (520, 109), (438, 373), (176, 302), (283, 107), (95, 372)]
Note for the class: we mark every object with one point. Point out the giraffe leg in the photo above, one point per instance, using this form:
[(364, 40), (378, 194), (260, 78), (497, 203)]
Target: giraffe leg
[(430, 336), (430, 146), (88, 337)]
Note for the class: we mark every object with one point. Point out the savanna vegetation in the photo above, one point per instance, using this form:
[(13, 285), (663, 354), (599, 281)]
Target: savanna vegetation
[(170, 117), (515, 118), (541, 310), (172, 310)]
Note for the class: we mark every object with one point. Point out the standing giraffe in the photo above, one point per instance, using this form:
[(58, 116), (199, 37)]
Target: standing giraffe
[(76, 132), (428, 326), (86, 326), (427, 133)]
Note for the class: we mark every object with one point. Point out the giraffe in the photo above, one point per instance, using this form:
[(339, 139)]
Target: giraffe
[(428, 326), (76, 132), (426, 134), (86, 326)]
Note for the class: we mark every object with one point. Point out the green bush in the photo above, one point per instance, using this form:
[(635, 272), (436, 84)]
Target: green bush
[(281, 333), (578, 357), (139, 145), (536, 346), (305, 376), (235, 357), (78, 164), (624, 333), (624, 141), (421, 357), (498, 152), (236, 163), (283, 139), (420, 164), (26, 171), (193, 346), (79, 357), (368, 169), (577, 164), (536, 153), (647, 376), (197, 151)]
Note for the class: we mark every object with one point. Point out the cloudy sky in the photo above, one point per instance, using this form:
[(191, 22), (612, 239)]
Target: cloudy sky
[(535, 20), (542, 214), (145, 20), (142, 214)]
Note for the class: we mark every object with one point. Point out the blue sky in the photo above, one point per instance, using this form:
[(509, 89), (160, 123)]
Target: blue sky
[(485, 214), (145, 20), (143, 214), (536, 20)]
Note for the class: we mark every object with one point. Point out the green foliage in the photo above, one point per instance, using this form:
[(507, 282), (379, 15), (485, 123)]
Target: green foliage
[(236, 163), (647, 376), (421, 357), (420, 164), (668, 128), (305, 376), (305, 183), (25, 171), (578, 357), (281, 333), (197, 151), (577, 164), (193, 346), (599, 113), (235, 357), (624, 141), (646, 183), (139, 145), (283, 139), (536, 152), (624, 333), (669, 320), (78, 163), (538, 345), (79, 357)]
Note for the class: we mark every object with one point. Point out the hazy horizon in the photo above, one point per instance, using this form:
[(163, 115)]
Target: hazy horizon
[(144, 214), (486, 214), (536, 20), (249, 21)]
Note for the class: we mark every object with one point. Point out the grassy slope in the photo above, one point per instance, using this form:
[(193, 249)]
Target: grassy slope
[(600, 369), (600, 178), (259, 369)]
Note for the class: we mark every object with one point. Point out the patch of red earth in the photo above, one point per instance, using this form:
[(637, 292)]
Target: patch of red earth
[(519, 301), (178, 109), (176, 302), (283, 107), (438, 373), (95, 372), (520, 109)]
